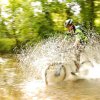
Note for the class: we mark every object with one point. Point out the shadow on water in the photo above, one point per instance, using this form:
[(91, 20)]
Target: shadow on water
[(21, 79)]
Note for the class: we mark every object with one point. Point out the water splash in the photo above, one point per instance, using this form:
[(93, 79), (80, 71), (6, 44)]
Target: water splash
[(89, 72), (34, 60), (37, 58)]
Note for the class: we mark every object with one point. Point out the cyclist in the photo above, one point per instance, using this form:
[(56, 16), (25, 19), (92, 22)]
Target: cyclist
[(75, 30), (80, 38)]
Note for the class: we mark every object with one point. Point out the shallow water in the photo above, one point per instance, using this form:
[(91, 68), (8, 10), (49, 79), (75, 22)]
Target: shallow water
[(14, 87), (21, 79), (77, 90)]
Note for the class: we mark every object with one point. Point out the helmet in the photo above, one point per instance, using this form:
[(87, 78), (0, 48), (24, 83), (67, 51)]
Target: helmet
[(68, 22)]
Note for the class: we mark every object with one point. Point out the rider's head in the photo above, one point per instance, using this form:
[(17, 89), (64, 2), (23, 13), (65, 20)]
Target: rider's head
[(69, 24)]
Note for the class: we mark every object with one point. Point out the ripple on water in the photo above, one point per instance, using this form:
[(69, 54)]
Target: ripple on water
[(73, 90)]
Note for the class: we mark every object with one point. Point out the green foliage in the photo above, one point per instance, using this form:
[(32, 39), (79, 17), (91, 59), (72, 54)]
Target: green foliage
[(25, 26), (7, 45)]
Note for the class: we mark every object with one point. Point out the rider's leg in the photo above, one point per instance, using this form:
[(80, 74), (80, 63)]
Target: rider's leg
[(77, 43)]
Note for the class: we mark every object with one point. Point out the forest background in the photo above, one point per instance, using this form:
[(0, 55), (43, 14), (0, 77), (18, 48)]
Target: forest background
[(30, 21)]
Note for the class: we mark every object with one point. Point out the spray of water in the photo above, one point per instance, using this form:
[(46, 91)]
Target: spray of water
[(33, 60)]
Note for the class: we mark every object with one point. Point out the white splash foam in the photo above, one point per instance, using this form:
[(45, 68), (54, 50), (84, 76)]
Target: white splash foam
[(31, 87), (55, 49), (90, 72)]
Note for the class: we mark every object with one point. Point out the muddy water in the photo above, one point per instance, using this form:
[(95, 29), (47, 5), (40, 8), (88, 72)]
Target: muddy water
[(14, 87), (77, 90)]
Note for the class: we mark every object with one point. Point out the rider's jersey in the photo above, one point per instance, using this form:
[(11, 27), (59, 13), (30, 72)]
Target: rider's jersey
[(79, 34)]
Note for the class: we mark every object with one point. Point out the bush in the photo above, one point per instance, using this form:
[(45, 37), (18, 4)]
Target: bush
[(7, 45)]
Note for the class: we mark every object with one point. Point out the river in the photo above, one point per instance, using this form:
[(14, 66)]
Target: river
[(20, 78), (14, 87)]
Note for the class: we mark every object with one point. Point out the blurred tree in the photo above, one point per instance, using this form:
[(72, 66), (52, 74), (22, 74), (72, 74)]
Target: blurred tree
[(87, 12), (3, 28), (46, 26), (29, 21)]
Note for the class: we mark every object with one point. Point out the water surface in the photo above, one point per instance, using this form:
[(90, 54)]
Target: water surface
[(14, 87)]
